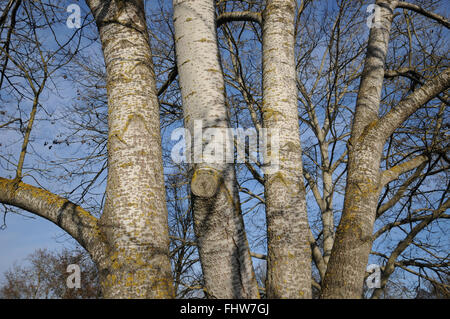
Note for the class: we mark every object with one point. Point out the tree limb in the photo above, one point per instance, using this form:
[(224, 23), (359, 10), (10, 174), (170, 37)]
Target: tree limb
[(172, 76), (317, 256), (76, 221), (403, 244), (239, 16), (259, 256), (413, 7), (413, 75), (6, 11), (395, 117), (408, 220), (394, 172), (315, 190), (384, 207), (410, 73)]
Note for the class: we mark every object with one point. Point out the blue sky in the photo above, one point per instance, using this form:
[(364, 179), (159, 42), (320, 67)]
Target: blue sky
[(24, 235)]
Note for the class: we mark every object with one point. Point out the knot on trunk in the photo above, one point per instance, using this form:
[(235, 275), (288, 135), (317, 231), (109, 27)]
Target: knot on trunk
[(205, 182)]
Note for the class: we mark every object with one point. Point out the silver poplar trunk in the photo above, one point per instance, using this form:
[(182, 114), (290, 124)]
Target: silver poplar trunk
[(134, 222), (289, 253), (218, 223), (348, 261)]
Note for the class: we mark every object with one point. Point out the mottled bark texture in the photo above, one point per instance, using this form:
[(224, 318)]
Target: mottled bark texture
[(76, 221), (289, 253), (134, 221), (218, 223), (348, 261)]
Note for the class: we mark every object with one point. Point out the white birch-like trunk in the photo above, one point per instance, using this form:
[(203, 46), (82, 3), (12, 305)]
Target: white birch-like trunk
[(218, 223), (134, 222), (289, 253)]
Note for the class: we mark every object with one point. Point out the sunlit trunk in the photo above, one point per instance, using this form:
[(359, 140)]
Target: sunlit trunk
[(218, 223), (134, 221), (289, 253)]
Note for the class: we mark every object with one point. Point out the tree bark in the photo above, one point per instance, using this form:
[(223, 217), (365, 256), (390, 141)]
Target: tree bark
[(73, 219), (134, 221), (289, 252), (218, 223), (348, 261)]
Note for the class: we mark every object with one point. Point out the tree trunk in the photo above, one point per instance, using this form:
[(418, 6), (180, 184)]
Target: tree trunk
[(346, 268), (289, 253), (327, 215), (348, 261), (134, 221), (218, 223)]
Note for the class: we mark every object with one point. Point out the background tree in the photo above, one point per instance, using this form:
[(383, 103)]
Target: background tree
[(44, 276)]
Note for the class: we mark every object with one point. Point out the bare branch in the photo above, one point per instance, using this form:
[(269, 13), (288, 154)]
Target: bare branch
[(76, 221), (317, 256), (313, 185), (406, 72), (414, 7), (172, 76), (259, 256), (10, 122), (6, 11), (393, 173), (239, 16), (403, 244), (395, 117), (383, 208), (408, 220)]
